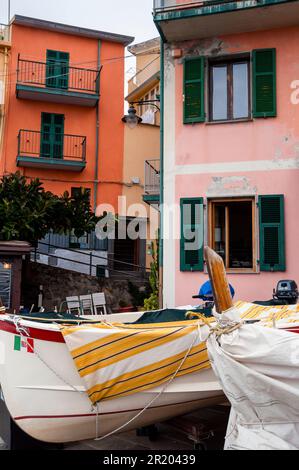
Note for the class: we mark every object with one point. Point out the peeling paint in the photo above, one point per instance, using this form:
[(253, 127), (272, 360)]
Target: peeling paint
[(231, 186), (210, 47)]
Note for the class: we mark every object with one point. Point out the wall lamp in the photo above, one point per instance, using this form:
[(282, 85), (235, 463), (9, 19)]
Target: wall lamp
[(132, 119), (6, 265)]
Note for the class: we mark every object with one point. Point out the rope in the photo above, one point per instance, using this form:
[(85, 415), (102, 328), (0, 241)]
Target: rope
[(217, 330), (23, 331), (198, 335)]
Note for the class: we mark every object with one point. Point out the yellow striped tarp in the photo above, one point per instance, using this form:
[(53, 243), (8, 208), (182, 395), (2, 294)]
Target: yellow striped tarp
[(116, 360), (281, 314)]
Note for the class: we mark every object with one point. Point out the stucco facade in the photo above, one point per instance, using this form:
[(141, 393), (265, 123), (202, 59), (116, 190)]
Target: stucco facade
[(142, 143), (4, 57), (100, 124), (230, 161)]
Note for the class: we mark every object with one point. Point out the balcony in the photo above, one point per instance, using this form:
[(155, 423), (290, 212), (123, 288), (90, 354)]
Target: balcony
[(4, 33), (152, 181), (202, 19), (73, 85), (51, 151)]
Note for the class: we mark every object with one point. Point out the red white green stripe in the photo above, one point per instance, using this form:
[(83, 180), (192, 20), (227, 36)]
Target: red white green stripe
[(24, 344)]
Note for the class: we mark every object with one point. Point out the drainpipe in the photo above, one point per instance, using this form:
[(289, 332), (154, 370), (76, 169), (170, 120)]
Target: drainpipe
[(161, 171), (96, 169), (5, 106)]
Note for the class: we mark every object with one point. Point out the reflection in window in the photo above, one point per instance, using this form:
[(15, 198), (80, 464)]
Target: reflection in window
[(229, 90), (240, 91), (219, 93)]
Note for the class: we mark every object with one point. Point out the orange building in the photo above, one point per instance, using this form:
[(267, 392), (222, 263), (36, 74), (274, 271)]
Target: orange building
[(65, 102), (4, 54), (141, 166)]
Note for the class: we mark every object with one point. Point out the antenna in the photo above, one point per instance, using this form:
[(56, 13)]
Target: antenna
[(8, 12)]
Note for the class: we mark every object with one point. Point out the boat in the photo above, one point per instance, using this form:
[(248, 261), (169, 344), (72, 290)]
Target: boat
[(258, 369), (46, 396)]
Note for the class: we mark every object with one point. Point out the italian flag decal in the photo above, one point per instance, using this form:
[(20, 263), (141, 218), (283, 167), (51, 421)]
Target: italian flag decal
[(24, 344)]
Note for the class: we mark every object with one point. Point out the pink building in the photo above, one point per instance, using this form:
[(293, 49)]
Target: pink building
[(230, 160)]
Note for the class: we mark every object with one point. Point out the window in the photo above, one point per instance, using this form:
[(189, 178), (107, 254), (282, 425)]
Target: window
[(233, 224), (229, 93), (232, 232), (57, 69), (52, 135), (77, 191), (129, 244), (232, 94), (148, 111), (5, 283)]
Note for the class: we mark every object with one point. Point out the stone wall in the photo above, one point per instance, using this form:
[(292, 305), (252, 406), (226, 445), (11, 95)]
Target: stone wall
[(60, 283)]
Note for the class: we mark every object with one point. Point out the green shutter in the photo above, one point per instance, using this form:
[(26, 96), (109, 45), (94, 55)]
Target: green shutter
[(57, 69), (191, 244), (272, 238), (194, 106), (264, 83), (52, 135)]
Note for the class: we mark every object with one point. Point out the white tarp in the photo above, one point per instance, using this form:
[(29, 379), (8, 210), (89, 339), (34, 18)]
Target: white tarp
[(258, 368)]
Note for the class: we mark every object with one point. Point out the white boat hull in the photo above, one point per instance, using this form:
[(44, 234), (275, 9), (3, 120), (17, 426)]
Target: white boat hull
[(45, 394)]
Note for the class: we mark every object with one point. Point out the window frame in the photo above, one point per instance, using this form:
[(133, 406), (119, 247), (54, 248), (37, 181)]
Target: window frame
[(229, 61), (211, 202)]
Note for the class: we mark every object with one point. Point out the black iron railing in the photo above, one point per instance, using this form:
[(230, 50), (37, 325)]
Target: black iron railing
[(62, 77), (49, 145), (152, 176)]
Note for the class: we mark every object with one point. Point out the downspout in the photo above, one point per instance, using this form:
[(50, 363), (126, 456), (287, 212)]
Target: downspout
[(96, 169), (3, 137), (162, 42)]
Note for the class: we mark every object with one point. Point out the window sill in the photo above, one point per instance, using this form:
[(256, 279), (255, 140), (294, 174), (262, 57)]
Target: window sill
[(242, 271), (229, 121), (238, 271)]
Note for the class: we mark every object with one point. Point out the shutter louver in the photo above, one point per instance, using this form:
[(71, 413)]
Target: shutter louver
[(191, 245), (57, 69), (52, 135), (264, 83), (272, 240), (194, 90)]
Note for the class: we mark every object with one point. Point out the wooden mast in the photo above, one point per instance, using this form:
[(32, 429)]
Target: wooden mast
[(217, 274)]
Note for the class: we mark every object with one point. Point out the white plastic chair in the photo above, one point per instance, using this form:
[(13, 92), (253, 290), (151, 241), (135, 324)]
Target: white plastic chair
[(73, 304), (86, 304), (99, 301)]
